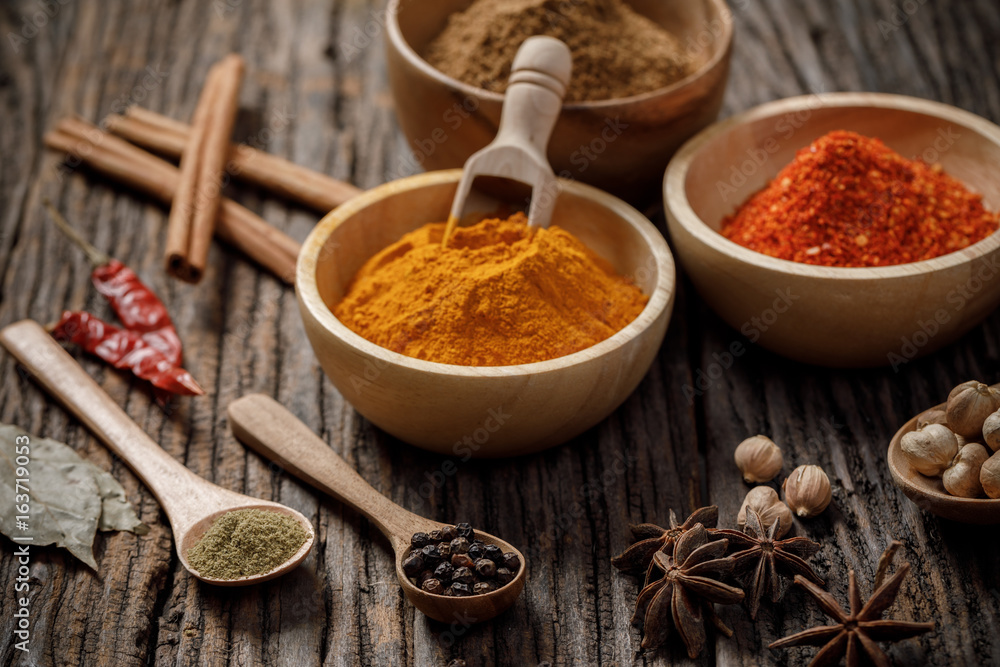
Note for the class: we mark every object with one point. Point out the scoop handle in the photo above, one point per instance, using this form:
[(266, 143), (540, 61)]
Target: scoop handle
[(535, 90), (175, 487), (268, 428)]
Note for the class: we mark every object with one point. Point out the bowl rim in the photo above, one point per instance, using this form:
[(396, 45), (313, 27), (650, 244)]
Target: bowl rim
[(679, 209), (719, 6), (898, 468), (306, 288)]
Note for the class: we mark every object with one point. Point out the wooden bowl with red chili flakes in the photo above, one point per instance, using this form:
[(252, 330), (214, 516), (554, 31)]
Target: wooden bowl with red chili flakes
[(831, 315)]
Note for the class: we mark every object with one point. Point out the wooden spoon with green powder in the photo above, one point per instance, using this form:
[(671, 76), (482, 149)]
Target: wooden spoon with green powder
[(247, 540)]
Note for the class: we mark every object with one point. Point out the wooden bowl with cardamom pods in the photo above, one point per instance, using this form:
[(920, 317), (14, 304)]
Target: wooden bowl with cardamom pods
[(481, 411), (929, 493), (833, 316)]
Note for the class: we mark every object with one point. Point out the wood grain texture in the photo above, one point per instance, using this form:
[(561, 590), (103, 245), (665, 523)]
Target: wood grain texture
[(309, 99)]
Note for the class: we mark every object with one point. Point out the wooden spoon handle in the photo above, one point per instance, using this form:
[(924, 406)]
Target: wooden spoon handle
[(173, 485), (272, 431), (539, 76)]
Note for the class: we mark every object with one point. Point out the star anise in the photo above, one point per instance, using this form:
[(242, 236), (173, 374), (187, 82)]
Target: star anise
[(681, 589), (855, 633), (652, 538), (762, 561)]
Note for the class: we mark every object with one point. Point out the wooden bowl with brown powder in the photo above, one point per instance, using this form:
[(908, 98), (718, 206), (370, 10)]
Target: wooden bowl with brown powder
[(480, 411), (648, 74)]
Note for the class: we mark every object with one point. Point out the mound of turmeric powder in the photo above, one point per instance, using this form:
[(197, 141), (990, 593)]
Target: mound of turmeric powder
[(497, 295)]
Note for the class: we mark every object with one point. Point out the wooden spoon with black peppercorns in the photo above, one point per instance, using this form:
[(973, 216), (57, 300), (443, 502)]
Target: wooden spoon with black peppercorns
[(272, 431)]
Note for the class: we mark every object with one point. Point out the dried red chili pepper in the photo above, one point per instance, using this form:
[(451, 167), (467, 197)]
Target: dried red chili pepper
[(138, 308), (125, 349), (849, 200), (148, 345)]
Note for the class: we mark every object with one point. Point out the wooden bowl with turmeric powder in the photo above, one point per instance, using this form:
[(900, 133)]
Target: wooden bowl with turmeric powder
[(481, 410), (647, 75), (856, 314)]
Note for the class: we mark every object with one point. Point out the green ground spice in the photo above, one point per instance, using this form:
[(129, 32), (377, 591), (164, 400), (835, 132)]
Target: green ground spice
[(242, 543)]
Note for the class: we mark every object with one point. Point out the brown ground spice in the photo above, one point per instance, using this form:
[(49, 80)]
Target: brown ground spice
[(616, 52), (246, 542)]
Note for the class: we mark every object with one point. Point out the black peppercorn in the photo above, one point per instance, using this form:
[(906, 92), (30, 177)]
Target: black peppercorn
[(424, 576), (511, 561), (476, 550), (444, 549), (459, 589), (420, 540), (413, 565), (462, 560), (435, 536), (486, 568), (482, 587), (464, 530), (463, 575), (459, 545), (433, 586), (448, 533), (504, 576), (444, 571), (493, 552), (431, 555)]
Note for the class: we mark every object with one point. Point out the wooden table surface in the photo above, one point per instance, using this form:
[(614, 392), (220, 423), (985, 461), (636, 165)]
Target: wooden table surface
[(567, 508)]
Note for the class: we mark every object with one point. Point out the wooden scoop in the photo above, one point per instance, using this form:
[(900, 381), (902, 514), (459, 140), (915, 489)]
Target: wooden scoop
[(275, 433), (192, 504), (538, 79)]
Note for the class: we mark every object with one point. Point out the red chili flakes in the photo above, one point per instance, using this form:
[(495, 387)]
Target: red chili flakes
[(848, 200)]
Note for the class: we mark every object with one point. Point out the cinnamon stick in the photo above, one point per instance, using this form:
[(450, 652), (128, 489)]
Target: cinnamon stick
[(131, 166), (168, 137), (196, 201)]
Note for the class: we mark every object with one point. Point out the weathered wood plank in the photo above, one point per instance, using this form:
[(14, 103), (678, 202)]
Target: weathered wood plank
[(311, 100)]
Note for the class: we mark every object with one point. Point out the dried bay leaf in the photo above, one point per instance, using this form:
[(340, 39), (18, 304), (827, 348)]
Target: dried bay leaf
[(116, 511), (69, 498)]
